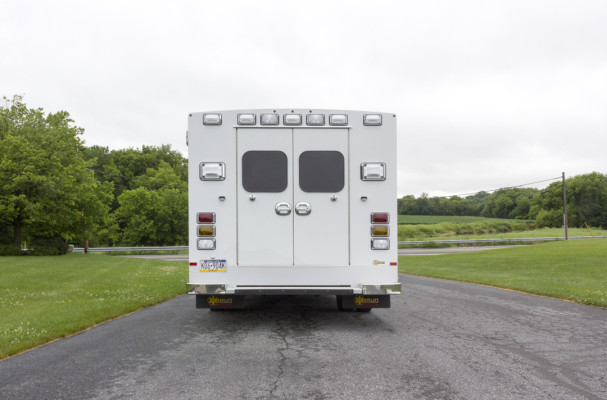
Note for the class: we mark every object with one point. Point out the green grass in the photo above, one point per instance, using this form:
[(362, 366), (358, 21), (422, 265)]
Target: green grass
[(45, 298), (574, 270), (436, 219)]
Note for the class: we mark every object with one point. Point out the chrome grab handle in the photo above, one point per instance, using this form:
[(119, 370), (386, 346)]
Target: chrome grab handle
[(283, 208), (303, 209)]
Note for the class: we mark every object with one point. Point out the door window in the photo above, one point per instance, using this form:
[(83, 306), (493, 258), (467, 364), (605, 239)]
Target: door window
[(264, 171), (321, 171)]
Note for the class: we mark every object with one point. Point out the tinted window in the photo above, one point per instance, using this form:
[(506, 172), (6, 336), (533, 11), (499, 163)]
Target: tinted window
[(321, 171), (264, 171)]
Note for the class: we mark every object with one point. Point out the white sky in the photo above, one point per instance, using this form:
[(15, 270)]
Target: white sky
[(488, 93)]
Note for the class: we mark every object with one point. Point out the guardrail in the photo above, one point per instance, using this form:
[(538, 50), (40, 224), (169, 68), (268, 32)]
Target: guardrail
[(484, 241), (117, 249)]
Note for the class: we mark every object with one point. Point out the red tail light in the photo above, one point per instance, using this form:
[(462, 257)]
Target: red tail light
[(206, 218), (380, 218)]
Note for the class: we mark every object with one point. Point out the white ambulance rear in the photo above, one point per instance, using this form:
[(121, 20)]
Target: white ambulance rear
[(292, 201)]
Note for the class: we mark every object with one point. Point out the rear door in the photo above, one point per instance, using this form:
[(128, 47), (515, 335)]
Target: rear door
[(293, 203), (265, 197), (321, 203)]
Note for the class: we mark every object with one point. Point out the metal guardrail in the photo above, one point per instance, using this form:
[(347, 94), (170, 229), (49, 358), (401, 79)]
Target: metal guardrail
[(117, 249), (483, 241)]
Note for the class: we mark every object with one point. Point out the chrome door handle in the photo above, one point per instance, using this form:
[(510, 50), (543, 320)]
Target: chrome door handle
[(283, 208), (303, 209)]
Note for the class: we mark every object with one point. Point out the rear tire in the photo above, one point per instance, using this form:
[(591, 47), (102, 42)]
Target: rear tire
[(340, 306)]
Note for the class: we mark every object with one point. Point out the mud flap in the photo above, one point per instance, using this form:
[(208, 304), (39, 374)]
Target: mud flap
[(217, 301), (366, 301)]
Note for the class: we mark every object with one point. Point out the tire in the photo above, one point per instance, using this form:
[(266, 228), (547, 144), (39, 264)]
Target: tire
[(364, 309), (340, 306)]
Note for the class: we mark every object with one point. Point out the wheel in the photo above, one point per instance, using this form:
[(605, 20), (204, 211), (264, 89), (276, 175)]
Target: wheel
[(340, 306)]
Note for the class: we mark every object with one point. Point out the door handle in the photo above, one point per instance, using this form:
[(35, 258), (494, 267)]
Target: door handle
[(283, 208), (303, 209)]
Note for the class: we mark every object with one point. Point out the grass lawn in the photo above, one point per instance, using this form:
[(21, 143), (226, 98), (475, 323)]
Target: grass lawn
[(45, 298), (574, 270)]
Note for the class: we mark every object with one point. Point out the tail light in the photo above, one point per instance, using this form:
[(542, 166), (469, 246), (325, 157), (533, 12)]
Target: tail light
[(380, 230), (206, 218), (380, 218), (206, 230), (380, 233), (380, 244)]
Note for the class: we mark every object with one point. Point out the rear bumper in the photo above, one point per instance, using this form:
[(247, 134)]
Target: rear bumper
[(375, 289)]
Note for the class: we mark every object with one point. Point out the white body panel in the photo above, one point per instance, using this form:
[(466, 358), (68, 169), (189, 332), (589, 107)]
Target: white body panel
[(331, 246)]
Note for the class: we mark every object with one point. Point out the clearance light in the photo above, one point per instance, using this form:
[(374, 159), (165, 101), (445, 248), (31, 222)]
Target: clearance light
[(380, 230), (209, 230), (338, 119), (246, 119), (373, 171), (206, 218), (292, 119), (206, 244), (315, 119), (269, 119), (212, 171), (372, 119), (380, 218), (211, 119), (380, 244)]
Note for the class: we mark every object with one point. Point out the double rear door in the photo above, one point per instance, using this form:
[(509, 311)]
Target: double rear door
[(293, 197)]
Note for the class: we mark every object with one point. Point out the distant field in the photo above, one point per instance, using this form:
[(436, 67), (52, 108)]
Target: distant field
[(45, 298), (436, 219), (574, 270)]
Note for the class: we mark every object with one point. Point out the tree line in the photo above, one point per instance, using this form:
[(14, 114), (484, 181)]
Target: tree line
[(56, 191), (586, 203)]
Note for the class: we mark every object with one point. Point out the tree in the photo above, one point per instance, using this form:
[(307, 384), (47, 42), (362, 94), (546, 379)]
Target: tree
[(47, 189), (155, 213)]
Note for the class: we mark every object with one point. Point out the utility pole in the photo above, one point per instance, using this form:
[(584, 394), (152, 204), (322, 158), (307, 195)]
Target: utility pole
[(565, 207)]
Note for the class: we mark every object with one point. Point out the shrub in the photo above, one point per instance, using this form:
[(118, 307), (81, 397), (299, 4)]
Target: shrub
[(549, 219), (48, 247)]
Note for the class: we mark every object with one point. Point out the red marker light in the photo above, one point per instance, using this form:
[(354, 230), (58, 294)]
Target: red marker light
[(206, 218), (380, 218)]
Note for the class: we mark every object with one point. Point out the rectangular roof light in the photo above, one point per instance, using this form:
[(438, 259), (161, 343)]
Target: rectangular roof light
[(338, 119), (372, 119), (315, 119), (211, 119), (246, 119), (292, 119), (269, 119)]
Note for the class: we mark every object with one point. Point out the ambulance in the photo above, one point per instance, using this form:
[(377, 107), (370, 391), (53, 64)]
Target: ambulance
[(292, 202)]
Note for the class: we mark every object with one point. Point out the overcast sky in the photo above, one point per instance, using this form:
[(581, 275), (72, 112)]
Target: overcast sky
[(488, 94)]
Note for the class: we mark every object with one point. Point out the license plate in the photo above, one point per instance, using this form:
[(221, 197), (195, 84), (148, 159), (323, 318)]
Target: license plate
[(213, 265)]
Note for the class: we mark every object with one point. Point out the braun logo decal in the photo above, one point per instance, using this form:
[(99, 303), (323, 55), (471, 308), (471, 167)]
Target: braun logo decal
[(214, 300), (377, 262), (360, 300)]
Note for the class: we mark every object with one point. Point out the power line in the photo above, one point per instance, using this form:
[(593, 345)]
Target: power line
[(509, 187)]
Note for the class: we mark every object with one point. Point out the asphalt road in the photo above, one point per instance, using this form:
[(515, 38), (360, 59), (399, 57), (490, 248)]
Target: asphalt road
[(440, 340)]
